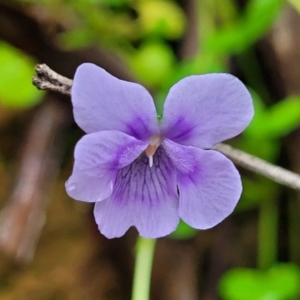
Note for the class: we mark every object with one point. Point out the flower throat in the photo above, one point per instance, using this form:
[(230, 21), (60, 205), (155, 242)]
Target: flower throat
[(154, 143)]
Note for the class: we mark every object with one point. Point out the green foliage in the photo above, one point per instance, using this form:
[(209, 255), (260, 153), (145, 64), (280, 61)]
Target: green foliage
[(295, 4), (245, 30), (153, 63), (16, 70), (281, 282), (77, 38), (183, 231), (277, 121), (161, 18), (268, 125), (114, 3)]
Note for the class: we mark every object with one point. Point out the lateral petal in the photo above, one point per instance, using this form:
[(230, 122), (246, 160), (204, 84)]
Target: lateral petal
[(103, 102), (209, 184), (98, 157)]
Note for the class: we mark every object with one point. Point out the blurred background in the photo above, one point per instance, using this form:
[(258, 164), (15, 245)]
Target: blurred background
[(50, 246)]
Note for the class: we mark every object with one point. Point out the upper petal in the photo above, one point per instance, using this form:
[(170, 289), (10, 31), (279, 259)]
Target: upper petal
[(103, 102), (98, 156), (209, 185), (144, 197), (204, 110)]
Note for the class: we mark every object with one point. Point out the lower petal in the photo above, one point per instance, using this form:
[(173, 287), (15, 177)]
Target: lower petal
[(209, 185), (144, 197)]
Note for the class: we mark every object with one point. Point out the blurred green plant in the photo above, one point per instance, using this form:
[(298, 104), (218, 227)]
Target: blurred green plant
[(236, 35), (16, 90), (281, 282), (295, 4), (276, 121), (160, 18), (153, 62), (183, 231)]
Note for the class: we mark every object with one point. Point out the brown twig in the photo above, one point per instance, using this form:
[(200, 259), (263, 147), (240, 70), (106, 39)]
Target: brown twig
[(259, 166), (47, 79)]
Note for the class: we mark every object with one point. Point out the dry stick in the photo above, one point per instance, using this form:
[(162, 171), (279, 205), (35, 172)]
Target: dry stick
[(48, 79), (260, 166)]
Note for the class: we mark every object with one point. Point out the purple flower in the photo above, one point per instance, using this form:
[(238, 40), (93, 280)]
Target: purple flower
[(147, 173)]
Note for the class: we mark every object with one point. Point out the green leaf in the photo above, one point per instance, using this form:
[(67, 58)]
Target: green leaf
[(277, 121), (255, 191), (76, 38), (237, 36), (161, 18), (112, 3), (153, 63), (281, 282), (183, 231), (283, 117), (16, 71), (254, 128)]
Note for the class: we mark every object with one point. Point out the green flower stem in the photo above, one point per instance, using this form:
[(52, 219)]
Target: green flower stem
[(143, 266)]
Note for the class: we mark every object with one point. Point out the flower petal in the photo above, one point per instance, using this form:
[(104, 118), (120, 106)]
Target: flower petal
[(209, 184), (144, 197), (98, 156), (204, 110), (103, 102)]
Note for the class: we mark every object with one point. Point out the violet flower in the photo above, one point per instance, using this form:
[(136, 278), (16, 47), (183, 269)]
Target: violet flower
[(147, 173)]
